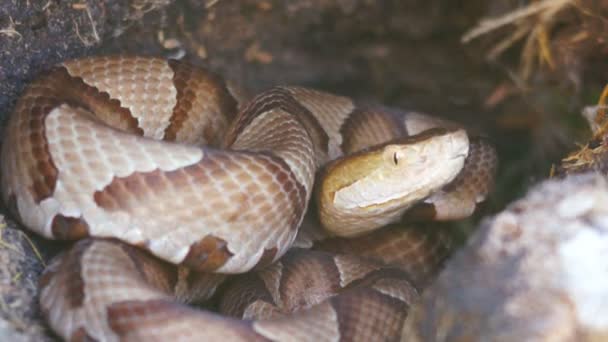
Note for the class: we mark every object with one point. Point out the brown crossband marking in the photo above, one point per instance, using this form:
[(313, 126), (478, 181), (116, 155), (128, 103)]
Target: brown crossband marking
[(50, 272), (71, 274), (138, 320), (43, 171), (279, 98), (242, 291), (107, 109), (153, 270), (48, 93), (300, 274), (353, 309), (420, 252), (122, 192), (288, 180), (81, 335), (209, 254), (45, 278), (69, 228), (184, 97), (298, 197), (188, 81), (377, 275), (267, 258), (126, 316), (75, 284), (368, 126)]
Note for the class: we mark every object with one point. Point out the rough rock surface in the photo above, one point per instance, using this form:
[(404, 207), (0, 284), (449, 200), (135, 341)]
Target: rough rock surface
[(35, 35), (21, 265), (535, 272)]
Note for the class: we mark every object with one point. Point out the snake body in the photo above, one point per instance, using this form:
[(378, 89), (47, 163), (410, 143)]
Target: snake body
[(151, 164)]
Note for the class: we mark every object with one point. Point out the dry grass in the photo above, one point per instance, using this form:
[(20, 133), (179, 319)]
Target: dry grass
[(534, 25), (16, 249), (11, 30), (594, 153)]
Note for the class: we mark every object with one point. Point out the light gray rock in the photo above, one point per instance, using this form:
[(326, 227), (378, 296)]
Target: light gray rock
[(538, 271), (20, 318)]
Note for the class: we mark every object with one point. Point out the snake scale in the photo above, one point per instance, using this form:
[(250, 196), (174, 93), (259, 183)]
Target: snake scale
[(170, 182)]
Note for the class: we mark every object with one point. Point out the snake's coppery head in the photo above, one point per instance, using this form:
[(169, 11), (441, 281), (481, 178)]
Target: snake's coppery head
[(374, 187)]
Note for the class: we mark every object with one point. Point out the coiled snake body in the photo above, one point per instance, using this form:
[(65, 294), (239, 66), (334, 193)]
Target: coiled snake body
[(150, 163)]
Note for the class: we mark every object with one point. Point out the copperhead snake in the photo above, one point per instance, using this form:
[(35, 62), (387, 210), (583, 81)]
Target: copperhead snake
[(153, 163)]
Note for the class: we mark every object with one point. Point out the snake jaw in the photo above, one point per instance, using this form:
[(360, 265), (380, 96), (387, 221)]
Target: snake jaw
[(408, 172)]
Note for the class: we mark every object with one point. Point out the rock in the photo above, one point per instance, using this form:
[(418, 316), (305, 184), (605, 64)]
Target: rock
[(536, 271), (35, 35), (20, 319)]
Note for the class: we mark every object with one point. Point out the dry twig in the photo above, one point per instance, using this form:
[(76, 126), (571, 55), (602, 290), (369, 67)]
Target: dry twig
[(10, 30), (533, 23)]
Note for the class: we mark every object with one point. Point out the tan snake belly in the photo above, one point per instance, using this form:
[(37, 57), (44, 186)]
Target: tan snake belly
[(152, 165)]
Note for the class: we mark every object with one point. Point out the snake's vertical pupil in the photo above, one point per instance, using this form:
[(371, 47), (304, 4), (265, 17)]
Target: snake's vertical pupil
[(395, 159)]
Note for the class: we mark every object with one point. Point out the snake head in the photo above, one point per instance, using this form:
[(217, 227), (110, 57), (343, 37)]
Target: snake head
[(374, 187)]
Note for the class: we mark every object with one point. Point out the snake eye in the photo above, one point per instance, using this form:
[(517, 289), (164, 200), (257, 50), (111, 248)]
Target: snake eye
[(395, 159)]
